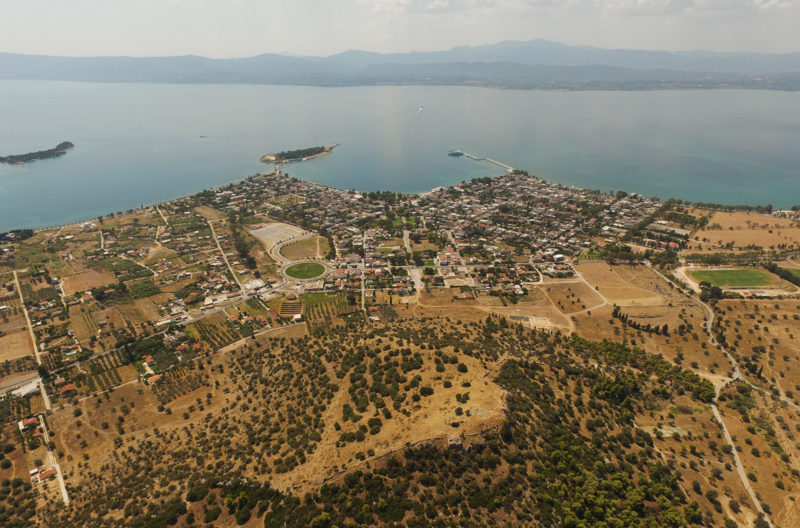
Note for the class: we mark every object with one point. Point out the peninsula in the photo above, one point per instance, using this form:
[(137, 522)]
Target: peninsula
[(19, 159), (298, 155)]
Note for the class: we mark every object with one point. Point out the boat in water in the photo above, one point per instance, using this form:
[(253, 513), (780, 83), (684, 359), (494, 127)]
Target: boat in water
[(455, 153)]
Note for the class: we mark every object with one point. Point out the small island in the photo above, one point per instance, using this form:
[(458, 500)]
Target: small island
[(19, 159), (288, 156)]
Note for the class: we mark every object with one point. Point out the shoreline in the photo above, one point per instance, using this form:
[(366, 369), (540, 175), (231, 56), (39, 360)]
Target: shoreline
[(276, 168), (707, 206)]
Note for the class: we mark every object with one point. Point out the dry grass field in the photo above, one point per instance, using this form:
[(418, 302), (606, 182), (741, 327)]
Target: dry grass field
[(536, 309), (210, 212), (625, 285), (149, 307), (746, 230), (87, 280), (15, 345), (646, 298), (311, 248), (572, 296)]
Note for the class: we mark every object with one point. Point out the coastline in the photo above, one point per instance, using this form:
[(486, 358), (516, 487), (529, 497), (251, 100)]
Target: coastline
[(276, 168)]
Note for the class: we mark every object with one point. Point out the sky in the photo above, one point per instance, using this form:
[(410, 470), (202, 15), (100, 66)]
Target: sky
[(242, 28)]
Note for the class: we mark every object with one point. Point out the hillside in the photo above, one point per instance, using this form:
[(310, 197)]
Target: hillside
[(499, 425), (535, 64)]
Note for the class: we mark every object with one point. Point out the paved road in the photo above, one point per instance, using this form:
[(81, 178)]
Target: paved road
[(10, 385)]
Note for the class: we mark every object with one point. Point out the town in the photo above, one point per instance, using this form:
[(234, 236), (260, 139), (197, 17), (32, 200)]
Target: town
[(141, 299)]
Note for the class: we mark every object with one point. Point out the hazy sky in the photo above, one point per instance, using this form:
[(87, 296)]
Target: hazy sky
[(235, 28)]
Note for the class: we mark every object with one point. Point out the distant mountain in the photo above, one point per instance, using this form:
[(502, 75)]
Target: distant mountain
[(536, 64)]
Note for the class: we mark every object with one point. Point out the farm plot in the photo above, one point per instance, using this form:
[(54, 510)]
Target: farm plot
[(87, 280), (291, 308), (215, 332), (15, 345), (13, 408), (101, 373), (82, 322), (176, 382), (324, 305), (124, 270)]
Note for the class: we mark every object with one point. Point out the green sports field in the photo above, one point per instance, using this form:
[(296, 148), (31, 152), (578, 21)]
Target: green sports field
[(305, 270), (734, 278)]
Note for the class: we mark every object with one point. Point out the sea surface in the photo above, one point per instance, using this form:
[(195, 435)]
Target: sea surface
[(145, 143)]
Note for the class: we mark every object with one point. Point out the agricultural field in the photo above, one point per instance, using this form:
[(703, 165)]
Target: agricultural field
[(735, 278), (100, 374), (86, 281), (305, 270), (16, 408), (15, 345), (177, 382), (321, 305), (83, 324), (123, 269), (215, 331)]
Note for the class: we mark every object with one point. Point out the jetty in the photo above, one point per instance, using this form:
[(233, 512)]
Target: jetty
[(506, 167)]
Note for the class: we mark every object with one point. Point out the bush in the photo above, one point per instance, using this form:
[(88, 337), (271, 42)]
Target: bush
[(212, 514)]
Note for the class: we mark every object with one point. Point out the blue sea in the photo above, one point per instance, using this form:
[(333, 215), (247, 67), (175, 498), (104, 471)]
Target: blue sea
[(144, 143)]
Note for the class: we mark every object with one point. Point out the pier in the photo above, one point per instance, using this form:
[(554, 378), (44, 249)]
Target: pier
[(508, 168)]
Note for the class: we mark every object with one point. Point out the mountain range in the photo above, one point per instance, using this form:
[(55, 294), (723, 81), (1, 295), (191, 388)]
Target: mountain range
[(535, 64)]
